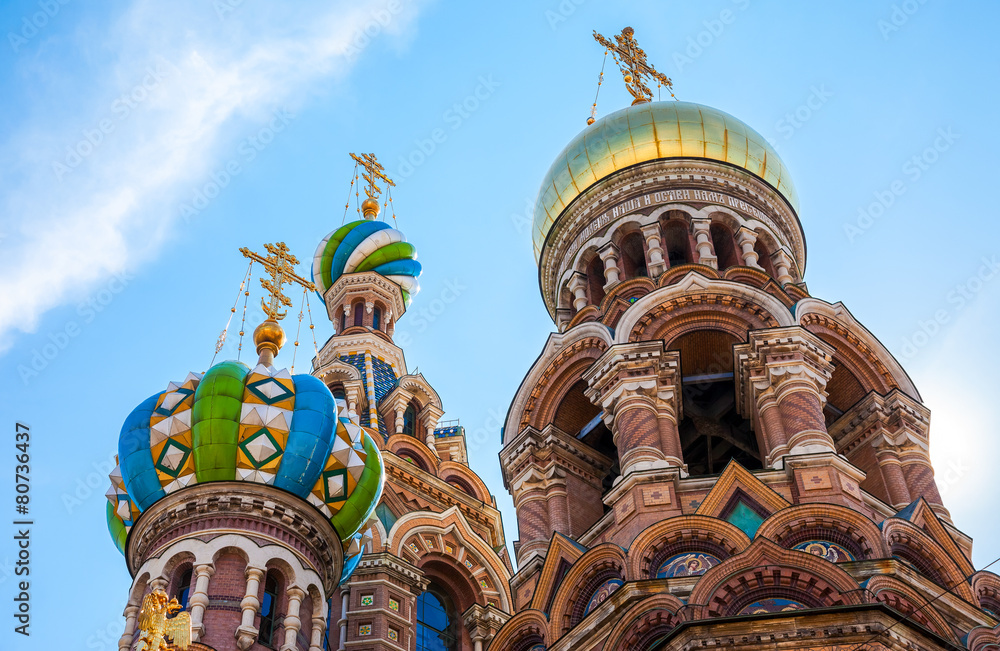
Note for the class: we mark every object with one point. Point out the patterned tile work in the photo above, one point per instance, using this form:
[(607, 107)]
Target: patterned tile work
[(454, 430), (394, 605), (367, 599), (393, 635), (385, 378), (357, 360), (365, 629)]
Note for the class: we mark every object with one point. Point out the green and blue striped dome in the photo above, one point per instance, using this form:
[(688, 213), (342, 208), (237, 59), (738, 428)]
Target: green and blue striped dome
[(260, 425), (365, 245)]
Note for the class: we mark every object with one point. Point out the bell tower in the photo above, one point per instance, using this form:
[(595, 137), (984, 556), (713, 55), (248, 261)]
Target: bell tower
[(703, 450)]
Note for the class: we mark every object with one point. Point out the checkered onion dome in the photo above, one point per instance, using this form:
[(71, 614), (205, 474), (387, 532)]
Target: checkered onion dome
[(260, 425), (366, 245)]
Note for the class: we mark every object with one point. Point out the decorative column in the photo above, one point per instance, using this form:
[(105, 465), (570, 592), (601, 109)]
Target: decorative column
[(400, 410), (703, 241), (746, 239), (198, 600), (635, 385), (345, 597), (795, 366), (295, 595), (609, 256), (654, 261), (318, 625), (246, 634), (483, 623), (578, 285), (892, 473), (131, 613), (429, 416), (532, 506), (782, 266)]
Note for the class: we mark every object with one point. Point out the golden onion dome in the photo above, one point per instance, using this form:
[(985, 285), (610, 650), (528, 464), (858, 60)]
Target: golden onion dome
[(652, 131)]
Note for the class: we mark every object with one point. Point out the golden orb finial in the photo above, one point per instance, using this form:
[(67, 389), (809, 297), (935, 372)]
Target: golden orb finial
[(369, 208), (269, 338)]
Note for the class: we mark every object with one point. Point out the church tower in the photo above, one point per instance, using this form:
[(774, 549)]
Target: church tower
[(704, 454), (435, 574)]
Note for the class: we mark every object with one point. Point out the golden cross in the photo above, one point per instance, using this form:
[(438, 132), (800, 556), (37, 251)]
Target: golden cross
[(631, 61), (373, 174), (281, 265)]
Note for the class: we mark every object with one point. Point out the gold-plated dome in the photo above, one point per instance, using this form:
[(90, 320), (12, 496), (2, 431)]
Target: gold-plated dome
[(651, 131)]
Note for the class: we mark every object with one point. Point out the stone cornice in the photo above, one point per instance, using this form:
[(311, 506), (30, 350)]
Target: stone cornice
[(779, 357), (643, 368), (894, 420), (551, 443), (364, 282), (397, 568), (360, 342), (247, 508)]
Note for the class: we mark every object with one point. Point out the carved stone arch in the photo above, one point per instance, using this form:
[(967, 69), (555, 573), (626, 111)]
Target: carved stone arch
[(832, 523), (908, 602), (420, 534), (911, 544), (732, 220), (674, 275), (646, 622), (599, 565), (674, 211), (526, 398), (983, 638), (696, 301), (475, 486), (523, 632), (412, 448), (175, 565), (420, 389), (695, 534), (621, 297), (986, 588), (858, 348), (766, 571), (563, 373)]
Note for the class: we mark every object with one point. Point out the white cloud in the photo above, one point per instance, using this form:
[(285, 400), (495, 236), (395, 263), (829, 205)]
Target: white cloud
[(148, 121)]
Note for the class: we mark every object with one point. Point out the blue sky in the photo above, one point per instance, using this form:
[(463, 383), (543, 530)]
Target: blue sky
[(116, 116)]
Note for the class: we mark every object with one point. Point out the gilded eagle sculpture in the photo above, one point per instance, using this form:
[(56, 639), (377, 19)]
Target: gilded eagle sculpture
[(155, 626)]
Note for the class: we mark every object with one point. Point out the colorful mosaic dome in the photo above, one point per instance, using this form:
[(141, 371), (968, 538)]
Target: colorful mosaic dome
[(260, 425), (653, 131), (366, 245)]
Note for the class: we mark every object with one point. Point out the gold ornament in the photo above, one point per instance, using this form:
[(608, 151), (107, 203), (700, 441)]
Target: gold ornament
[(632, 62), (374, 172), (155, 625)]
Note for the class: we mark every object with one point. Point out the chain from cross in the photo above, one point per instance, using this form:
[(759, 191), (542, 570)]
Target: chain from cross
[(373, 174), (281, 265), (631, 60)]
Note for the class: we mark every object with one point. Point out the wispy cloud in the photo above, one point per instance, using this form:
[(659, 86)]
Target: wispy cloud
[(99, 173)]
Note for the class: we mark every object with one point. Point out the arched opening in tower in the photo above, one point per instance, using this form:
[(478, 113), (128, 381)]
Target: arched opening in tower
[(764, 258), (633, 256), (712, 432), (725, 246), (595, 280), (579, 417), (677, 242)]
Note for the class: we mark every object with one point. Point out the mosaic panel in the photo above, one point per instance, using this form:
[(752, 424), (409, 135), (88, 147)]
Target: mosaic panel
[(688, 564), (606, 590), (828, 550), (775, 605), (365, 629), (367, 600)]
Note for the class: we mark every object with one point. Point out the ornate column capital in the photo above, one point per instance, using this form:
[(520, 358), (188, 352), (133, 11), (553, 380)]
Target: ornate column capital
[(783, 360), (640, 370), (746, 239), (609, 256), (483, 622)]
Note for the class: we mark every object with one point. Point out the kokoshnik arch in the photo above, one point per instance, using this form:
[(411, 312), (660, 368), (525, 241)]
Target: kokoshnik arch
[(703, 454)]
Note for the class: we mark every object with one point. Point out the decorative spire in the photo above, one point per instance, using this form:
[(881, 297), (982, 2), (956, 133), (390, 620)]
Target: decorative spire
[(269, 336), (631, 60), (374, 172)]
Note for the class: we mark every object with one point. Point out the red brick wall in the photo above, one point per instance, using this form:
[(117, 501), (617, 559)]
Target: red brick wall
[(225, 591)]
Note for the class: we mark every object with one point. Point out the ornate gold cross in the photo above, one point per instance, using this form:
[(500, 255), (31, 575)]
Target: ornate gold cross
[(373, 174), (281, 265), (631, 61)]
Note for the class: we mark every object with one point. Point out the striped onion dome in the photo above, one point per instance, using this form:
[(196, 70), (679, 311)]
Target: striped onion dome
[(366, 245), (261, 425)]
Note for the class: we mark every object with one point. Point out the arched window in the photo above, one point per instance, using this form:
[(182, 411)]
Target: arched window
[(184, 589), (764, 258), (267, 607), (377, 318), (343, 322), (595, 280), (677, 243), (359, 313), (436, 622), (725, 246), (409, 420), (633, 256)]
